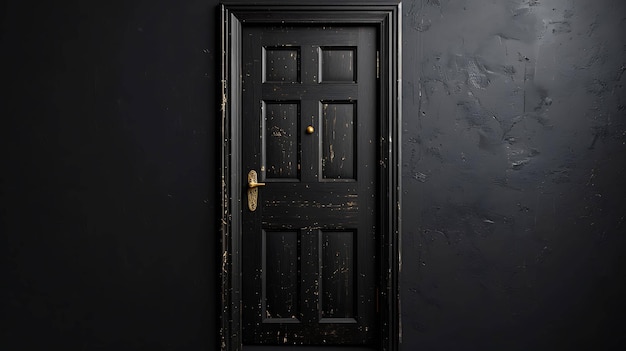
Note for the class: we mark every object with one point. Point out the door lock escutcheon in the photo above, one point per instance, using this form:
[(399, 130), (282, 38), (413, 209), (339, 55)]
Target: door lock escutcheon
[(253, 190)]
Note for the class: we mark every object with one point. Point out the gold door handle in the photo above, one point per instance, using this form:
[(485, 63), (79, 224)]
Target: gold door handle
[(253, 192), (253, 184), (252, 180)]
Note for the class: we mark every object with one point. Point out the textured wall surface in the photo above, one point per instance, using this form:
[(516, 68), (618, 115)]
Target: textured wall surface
[(514, 159), (514, 165)]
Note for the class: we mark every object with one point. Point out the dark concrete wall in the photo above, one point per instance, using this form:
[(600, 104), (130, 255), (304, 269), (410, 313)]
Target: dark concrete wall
[(110, 196), (514, 166), (514, 154)]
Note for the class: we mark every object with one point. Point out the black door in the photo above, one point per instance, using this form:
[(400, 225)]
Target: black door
[(309, 242)]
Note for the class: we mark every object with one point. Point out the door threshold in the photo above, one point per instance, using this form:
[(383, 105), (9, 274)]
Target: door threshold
[(305, 348)]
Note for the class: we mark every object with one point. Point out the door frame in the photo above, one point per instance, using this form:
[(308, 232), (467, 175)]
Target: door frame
[(385, 16)]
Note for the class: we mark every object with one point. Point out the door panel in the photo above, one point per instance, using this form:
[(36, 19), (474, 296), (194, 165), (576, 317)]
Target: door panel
[(337, 288), (281, 285), (281, 139), (309, 268), (338, 140)]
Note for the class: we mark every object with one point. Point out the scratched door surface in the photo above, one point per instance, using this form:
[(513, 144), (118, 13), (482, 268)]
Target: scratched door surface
[(309, 124)]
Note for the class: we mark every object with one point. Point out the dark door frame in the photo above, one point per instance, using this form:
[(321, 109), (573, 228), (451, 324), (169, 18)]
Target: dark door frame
[(385, 16)]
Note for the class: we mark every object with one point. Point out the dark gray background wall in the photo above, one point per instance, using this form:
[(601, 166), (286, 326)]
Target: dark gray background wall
[(514, 167), (514, 154)]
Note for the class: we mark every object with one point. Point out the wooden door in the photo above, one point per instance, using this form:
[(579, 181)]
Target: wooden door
[(309, 128), (316, 260)]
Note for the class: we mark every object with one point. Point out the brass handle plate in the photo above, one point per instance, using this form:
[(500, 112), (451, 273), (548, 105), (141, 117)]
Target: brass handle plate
[(253, 190)]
